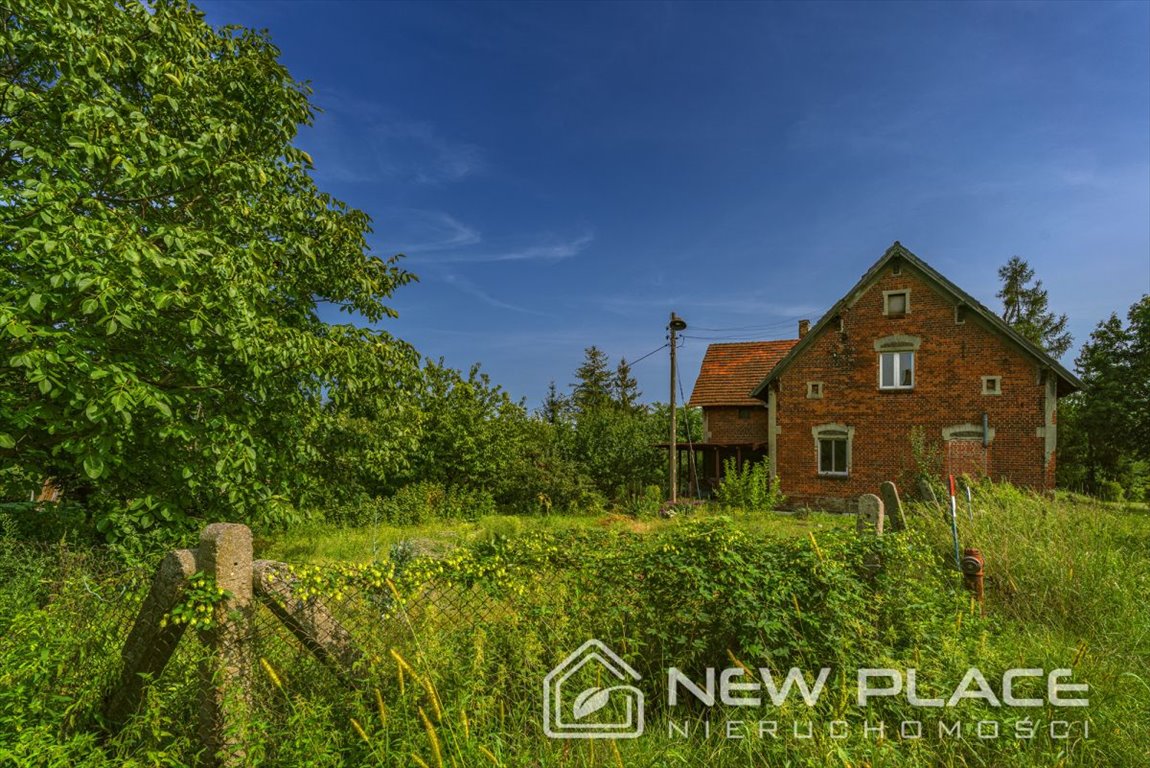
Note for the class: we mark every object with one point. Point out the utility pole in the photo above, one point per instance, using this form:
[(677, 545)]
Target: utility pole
[(674, 327)]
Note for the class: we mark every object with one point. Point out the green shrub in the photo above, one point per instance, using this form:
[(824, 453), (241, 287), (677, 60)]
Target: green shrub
[(426, 501), (749, 487), (645, 503), (1111, 490)]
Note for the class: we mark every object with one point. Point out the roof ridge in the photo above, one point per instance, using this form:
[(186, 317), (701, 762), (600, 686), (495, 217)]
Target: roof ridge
[(736, 343), (898, 250)]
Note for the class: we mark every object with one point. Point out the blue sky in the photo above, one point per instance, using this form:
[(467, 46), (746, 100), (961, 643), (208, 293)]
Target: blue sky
[(561, 175)]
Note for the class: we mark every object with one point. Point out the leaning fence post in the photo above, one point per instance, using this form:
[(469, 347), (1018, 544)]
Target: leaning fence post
[(151, 642), (226, 556), (870, 522), (310, 622)]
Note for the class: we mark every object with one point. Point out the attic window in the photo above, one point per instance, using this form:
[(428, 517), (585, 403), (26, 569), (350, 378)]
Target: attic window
[(959, 314), (814, 390), (896, 268), (896, 303), (992, 385), (744, 413)]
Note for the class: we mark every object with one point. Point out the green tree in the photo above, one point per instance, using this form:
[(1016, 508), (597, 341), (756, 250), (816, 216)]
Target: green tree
[(1073, 454), (1138, 376), (1025, 307), (165, 254), (1107, 423), (592, 387), (616, 449), (468, 429), (556, 406), (624, 388)]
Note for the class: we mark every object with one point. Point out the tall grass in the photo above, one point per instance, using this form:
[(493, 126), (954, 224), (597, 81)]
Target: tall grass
[(454, 678)]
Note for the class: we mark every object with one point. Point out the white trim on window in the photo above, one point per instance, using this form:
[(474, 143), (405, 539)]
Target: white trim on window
[(992, 385), (815, 390), (834, 449), (896, 370)]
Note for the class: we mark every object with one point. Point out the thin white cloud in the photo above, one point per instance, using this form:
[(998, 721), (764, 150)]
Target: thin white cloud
[(358, 141), (552, 251), (712, 306), (414, 230), (466, 286), (415, 150)]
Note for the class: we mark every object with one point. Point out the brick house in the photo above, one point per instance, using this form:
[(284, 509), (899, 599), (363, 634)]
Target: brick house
[(734, 423), (904, 354)]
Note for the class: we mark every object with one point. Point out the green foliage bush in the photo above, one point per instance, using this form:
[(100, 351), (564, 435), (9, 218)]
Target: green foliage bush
[(749, 487), (1111, 490), (644, 504), (419, 503)]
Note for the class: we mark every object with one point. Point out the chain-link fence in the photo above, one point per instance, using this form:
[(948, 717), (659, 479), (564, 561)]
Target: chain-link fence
[(359, 648)]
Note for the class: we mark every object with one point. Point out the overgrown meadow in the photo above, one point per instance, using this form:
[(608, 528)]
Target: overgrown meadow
[(458, 626)]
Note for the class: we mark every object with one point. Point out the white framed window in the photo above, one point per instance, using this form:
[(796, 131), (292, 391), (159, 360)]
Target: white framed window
[(832, 456), (834, 445), (992, 385), (896, 370), (896, 361), (814, 390), (896, 303)]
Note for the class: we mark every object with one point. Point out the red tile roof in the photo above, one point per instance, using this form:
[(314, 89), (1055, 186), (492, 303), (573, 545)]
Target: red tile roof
[(730, 371)]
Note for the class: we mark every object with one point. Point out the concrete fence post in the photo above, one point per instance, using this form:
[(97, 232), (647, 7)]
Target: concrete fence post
[(151, 641), (312, 624), (226, 556)]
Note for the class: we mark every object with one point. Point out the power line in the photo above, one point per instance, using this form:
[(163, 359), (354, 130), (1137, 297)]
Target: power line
[(763, 326), (644, 357), (745, 337)]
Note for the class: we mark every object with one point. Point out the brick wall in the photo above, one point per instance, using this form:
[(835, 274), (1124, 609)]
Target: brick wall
[(949, 366), (724, 425)]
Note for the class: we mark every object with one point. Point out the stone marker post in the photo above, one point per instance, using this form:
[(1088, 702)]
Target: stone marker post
[(870, 516), (926, 491), (892, 506), (226, 556)]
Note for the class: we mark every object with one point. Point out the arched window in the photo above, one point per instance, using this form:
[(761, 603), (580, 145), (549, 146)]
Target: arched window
[(833, 449)]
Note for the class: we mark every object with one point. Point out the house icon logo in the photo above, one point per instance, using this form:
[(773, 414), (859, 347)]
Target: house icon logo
[(602, 710)]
